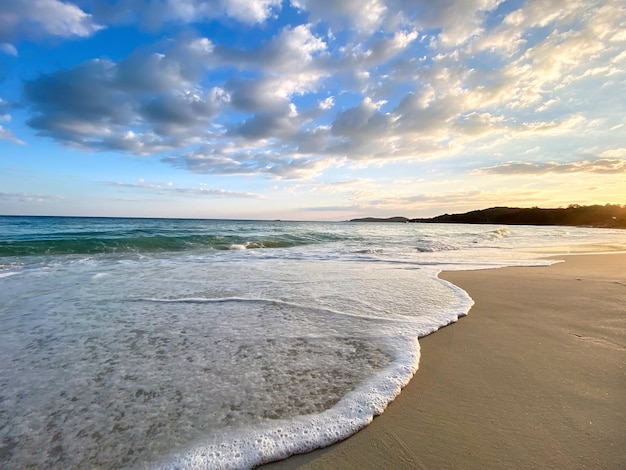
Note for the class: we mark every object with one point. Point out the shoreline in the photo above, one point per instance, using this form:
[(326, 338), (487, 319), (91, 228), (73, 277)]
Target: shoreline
[(533, 377)]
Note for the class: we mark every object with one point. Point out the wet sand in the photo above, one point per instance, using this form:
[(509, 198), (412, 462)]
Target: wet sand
[(534, 377)]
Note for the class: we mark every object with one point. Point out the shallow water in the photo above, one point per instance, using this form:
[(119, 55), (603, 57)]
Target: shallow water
[(132, 343)]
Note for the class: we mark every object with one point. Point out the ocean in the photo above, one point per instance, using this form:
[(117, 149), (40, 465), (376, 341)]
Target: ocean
[(223, 344)]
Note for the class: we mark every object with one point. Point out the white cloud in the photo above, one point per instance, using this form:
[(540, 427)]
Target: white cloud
[(59, 18), (365, 16), (8, 49), (614, 153), (364, 120), (396, 80), (327, 103), (6, 134), (599, 166), (231, 160), (250, 11), (145, 104), (38, 19), (169, 187), (26, 197), (158, 14)]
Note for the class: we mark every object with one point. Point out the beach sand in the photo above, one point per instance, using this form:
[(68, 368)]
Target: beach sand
[(534, 377)]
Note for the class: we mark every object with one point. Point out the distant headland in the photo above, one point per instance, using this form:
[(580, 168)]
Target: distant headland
[(607, 216)]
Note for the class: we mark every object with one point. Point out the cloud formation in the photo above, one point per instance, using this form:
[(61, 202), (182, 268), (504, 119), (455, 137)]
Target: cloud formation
[(353, 83), (38, 19), (600, 166), (247, 162), (26, 197), (156, 14), (144, 104), (6, 134), (170, 187)]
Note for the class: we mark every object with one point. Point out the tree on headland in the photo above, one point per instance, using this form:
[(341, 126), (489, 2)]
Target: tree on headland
[(607, 216)]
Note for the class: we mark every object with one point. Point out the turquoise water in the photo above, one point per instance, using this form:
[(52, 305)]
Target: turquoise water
[(23, 236), (163, 343)]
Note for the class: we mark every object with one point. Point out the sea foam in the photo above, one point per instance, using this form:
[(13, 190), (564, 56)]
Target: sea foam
[(283, 438), (176, 351)]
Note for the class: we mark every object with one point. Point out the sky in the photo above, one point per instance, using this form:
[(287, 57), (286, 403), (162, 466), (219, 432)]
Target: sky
[(310, 109)]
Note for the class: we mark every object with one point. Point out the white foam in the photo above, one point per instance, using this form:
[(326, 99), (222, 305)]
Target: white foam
[(500, 233), (228, 359), (283, 438), (278, 439)]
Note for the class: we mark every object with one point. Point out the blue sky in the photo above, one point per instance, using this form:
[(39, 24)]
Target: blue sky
[(310, 110)]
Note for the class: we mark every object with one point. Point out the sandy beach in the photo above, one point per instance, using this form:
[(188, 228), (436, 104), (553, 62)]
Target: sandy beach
[(534, 377)]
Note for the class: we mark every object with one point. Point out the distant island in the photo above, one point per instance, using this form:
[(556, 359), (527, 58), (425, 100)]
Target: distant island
[(607, 216)]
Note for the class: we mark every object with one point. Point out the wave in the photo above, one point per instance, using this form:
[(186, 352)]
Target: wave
[(143, 244), (281, 303), (502, 232), (8, 274), (369, 251), (433, 246)]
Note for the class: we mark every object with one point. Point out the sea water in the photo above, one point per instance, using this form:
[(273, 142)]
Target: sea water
[(163, 343)]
